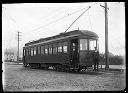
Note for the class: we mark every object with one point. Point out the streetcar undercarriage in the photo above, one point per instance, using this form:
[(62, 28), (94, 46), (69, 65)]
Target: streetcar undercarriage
[(57, 66)]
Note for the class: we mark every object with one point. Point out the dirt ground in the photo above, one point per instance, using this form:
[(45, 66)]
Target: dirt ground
[(17, 78)]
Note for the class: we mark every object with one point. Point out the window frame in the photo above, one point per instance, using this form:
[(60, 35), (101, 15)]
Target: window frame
[(65, 43), (50, 49), (27, 51), (24, 52), (60, 48), (31, 51), (39, 49), (89, 43), (45, 49), (97, 44), (34, 50), (42, 52), (87, 48), (55, 47)]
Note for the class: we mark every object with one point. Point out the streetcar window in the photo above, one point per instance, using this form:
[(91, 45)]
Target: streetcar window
[(74, 46), (38, 49), (31, 51), (59, 47), (26, 52), (83, 44), (34, 50), (46, 49), (42, 49), (54, 48), (97, 45), (92, 44), (50, 49), (65, 47), (23, 52)]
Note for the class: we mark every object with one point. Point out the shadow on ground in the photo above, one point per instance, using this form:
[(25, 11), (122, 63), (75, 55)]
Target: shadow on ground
[(89, 72)]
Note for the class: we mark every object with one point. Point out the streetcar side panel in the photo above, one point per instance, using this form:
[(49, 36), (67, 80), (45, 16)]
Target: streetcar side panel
[(61, 56)]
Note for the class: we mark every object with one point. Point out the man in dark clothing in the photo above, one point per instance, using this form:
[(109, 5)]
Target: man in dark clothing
[(96, 59)]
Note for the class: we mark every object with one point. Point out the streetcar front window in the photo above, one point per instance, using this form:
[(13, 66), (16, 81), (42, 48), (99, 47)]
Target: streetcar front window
[(92, 44), (83, 44)]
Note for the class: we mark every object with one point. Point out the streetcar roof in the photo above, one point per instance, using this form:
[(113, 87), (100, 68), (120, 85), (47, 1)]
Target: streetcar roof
[(64, 36)]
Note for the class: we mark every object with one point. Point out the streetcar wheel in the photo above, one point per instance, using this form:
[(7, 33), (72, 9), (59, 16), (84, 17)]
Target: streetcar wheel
[(25, 65), (78, 70)]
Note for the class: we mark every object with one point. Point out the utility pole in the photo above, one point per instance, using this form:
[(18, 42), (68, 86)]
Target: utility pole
[(106, 36), (18, 47)]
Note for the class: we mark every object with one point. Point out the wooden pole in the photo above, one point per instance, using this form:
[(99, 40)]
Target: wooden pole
[(18, 50), (106, 37)]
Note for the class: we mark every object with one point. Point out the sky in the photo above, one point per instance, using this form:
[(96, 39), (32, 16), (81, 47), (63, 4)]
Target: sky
[(40, 20)]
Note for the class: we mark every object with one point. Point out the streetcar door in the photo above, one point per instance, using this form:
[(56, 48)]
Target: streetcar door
[(74, 52), (24, 56)]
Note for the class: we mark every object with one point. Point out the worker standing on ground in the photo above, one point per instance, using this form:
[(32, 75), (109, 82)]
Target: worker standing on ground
[(96, 59)]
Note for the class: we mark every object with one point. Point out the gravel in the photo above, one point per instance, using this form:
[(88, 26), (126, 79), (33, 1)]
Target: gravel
[(18, 78)]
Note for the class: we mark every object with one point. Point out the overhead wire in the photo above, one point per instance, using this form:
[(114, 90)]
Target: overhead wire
[(54, 21), (60, 18), (53, 16), (90, 20), (56, 13), (77, 18)]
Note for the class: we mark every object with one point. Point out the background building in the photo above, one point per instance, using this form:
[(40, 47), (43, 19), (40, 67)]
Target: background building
[(8, 56)]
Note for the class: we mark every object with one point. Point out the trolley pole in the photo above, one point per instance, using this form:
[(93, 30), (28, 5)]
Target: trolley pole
[(106, 36)]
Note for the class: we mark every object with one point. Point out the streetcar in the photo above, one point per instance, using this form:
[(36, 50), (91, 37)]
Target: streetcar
[(69, 51)]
